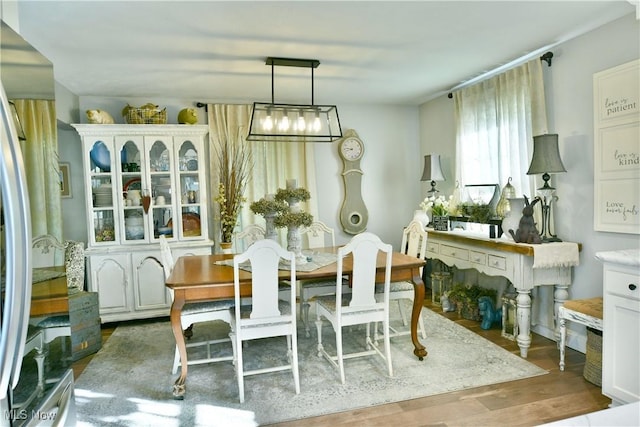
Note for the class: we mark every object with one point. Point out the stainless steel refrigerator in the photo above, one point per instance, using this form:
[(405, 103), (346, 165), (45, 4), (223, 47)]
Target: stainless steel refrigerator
[(55, 404)]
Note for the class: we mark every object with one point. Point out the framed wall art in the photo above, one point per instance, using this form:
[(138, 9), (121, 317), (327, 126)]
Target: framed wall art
[(65, 180), (616, 104)]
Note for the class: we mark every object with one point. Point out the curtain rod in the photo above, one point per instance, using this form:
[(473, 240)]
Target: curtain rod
[(547, 56)]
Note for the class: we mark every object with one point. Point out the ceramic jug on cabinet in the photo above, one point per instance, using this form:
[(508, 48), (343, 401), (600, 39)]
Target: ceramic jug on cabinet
[(512, 217), (134, 196)]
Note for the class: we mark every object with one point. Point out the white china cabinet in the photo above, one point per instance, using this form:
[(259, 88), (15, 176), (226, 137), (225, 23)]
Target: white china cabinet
[(141, 181)]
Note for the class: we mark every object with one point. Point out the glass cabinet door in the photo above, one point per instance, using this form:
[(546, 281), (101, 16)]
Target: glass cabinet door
[(189, 185), (161, 170), (102, 192), (131, 166), (145, 181)]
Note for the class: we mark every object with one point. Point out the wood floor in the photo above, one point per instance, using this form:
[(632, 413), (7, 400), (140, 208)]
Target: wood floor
[(529, 402)]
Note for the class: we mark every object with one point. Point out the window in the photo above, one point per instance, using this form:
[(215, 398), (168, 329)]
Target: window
[(496, 120)]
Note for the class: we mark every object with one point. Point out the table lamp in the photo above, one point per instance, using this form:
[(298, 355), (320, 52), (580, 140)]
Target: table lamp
[(432, 171), (546, 160)]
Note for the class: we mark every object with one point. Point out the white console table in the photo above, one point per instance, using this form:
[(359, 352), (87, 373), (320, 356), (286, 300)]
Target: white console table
[(501, 257)]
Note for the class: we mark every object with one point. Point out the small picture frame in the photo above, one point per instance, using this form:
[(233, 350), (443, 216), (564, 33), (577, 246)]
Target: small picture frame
[(441, 223), (65, 180)]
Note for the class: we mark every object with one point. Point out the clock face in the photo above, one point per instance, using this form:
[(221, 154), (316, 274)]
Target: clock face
[(351, 149)]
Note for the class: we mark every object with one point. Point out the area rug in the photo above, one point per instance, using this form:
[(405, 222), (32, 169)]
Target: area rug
[(129, 383)]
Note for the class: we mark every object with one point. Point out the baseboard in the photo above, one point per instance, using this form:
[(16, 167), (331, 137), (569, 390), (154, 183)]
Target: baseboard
[(576, 341)]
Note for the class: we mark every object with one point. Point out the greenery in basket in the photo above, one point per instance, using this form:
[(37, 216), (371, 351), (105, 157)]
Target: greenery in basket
[(264, 206), (477, 212), (285, 194), (293, 219), (234, 164), (462, 292), (467, 296)]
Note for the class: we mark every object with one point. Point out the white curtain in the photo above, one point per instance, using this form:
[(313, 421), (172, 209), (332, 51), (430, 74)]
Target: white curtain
[(40, 151), (496, 120), (273, 164)]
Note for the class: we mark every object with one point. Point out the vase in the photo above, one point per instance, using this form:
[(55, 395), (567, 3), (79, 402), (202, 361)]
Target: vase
[(270, 229), (422, 217), (511, 219), (226, 247), (294, 244)]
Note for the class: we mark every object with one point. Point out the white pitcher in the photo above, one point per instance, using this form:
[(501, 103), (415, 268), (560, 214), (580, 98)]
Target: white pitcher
[(512, 218), (134, 196)]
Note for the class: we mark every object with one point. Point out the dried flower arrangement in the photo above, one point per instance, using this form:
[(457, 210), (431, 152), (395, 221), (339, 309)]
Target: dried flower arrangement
[(299, 194), (293, 219), (264, 207), (234, 164)]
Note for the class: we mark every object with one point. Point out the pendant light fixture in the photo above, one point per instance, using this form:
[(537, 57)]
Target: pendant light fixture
[(292, 122)]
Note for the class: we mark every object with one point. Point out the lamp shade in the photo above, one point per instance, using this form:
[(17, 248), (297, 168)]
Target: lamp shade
[(546, 155), (432, 169)]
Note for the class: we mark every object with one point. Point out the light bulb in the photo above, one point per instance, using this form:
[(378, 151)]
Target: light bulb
[(301, 124), (316, 123), (284, 123), (268, 121)]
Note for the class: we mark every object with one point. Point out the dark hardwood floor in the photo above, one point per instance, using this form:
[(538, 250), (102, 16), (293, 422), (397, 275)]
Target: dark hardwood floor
[(528, 402)]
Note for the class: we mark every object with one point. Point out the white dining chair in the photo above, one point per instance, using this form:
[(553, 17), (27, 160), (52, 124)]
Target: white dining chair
[(414, 243), (48, 251), (265, 315), (318, 235), (196, 313), (360, 306), (250, 234)]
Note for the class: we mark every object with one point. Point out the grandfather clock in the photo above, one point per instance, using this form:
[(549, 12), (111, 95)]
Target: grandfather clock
[(353, 213)]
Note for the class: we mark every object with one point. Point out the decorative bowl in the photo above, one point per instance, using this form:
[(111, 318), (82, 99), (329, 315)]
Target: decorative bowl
[(165, 230)]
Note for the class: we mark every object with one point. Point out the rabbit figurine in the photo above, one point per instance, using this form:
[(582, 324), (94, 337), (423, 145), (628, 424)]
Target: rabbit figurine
[(527, 231)]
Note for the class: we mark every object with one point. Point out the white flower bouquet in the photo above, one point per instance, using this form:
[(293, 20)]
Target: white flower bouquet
[(438, 205)]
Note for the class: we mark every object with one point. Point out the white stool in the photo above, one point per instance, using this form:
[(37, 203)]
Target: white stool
[(584, 311)]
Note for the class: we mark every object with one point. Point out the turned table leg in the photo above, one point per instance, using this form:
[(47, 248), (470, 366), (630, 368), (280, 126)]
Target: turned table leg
[(418, 300), (524, 321), (179, 387)]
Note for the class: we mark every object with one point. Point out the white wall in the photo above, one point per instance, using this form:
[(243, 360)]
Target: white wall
[(570, 114), (392, 166), (569, 91), (438, 135)]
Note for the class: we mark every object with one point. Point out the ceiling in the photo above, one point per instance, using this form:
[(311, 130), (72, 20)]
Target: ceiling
[(379, 52)]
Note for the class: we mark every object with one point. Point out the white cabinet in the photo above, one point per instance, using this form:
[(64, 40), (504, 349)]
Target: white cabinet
[(621, 326), (141, 181)]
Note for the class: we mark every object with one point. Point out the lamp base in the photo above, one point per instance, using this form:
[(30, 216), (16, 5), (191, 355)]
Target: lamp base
[(433, 190), (549, 239)]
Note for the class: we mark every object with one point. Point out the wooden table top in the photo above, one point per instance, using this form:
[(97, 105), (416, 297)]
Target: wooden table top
[(50, 296), (497, 244), (199, 270)]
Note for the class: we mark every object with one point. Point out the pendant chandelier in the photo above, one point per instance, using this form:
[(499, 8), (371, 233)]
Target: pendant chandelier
[(291, 122)]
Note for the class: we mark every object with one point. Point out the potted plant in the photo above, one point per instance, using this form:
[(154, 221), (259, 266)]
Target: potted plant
[(234, 163), (439, 207), (269, 208), (466, 298), (293, 217)]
